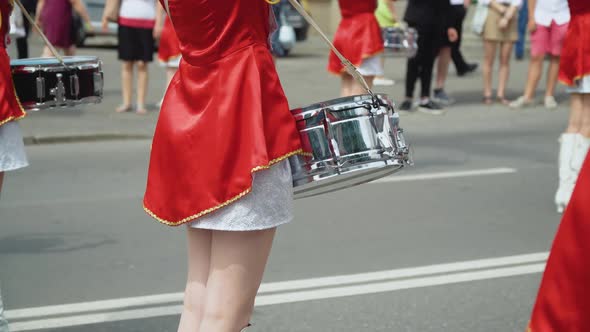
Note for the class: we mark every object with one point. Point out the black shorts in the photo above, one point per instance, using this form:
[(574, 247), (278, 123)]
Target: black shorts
[(136, 44)]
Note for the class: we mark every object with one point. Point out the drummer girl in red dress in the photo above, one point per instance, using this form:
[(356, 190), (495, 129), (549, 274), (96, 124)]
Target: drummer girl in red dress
[(358, 38), (219, 157), (574, 71), (168, 48), (12, 152)]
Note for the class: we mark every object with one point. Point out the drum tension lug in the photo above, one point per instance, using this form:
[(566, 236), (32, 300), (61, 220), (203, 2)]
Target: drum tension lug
[(59, 92), (40, 85), (74, 85)]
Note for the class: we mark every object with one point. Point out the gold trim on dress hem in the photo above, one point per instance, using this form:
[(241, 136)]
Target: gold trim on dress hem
[(226, 203)]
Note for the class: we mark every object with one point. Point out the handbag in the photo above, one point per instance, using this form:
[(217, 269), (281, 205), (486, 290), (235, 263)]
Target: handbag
[(287, 36), (479, 18), (111, 10), (17, 24)]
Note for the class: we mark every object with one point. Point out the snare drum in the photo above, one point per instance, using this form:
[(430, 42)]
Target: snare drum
[(43, 83), (400, 42), (348, 141)]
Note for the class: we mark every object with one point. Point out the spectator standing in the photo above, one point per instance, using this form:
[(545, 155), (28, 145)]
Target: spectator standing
[(387, 18), (55, 18), (574, 71), (22, 43), (548, 22), (136, 49), (500, 30), (451, 50), (431, 19), (523, 19)]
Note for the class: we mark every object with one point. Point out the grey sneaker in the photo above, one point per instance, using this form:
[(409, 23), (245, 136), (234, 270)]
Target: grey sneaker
[(520, 102), (550, 102), (430, 107), (441, 97)]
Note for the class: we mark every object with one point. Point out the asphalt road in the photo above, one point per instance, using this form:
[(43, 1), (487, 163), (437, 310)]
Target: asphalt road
[(456, 243)]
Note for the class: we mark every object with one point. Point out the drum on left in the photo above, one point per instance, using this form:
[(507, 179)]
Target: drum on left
[(45, 83)]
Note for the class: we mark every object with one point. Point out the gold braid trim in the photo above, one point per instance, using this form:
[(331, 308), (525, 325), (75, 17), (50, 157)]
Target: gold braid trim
[(15, 118), (226, 203)]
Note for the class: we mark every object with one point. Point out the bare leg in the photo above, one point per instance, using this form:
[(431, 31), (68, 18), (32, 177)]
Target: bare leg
[(238, 260), (552, 75), (47, 52), (169, 75), (535, 70), (576, 114), (71, 51), (488, 64), (346, 88), (444, 58), (199, 254), (126, 85), (142, 86), (505, 54), (358, 89)]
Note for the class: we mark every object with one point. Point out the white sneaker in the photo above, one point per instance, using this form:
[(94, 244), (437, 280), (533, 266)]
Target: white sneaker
[(520, 102), (383, 81), (550, 102)]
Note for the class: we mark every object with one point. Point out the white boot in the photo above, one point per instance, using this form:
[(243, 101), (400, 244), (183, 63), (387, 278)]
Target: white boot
[(580, 152), (567, 177)]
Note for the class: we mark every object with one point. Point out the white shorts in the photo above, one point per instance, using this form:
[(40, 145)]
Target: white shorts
[(372, 66), (12, 148), (172, 63)]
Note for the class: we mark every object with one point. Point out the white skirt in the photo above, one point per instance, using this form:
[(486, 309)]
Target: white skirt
[(582, 86), (372, 66), (268, 205), (12, 148)]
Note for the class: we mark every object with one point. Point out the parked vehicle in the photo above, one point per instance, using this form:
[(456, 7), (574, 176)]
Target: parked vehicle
[(95, 9)]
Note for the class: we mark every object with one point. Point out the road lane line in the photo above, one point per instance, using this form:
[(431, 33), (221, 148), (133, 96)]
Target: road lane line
[(282, 286), (289, 297), (447, 175)]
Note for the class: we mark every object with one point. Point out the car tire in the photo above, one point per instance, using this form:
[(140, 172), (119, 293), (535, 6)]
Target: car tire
[(301, 34)]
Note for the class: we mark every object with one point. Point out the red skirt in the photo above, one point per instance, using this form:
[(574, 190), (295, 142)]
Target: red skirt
[(169, 48), (219, 123), (357, 38), (10, 108), (575, 55)]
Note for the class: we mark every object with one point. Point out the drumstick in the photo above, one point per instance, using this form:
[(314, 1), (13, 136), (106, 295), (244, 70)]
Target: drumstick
[(352, 70), (47, 42)]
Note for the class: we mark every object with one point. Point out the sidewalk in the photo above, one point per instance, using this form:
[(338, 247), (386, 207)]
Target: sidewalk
[(304, 78)]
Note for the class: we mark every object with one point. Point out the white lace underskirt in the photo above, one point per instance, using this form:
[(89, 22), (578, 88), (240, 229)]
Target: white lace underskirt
[(268, 205), (582, 85), (12, 148)]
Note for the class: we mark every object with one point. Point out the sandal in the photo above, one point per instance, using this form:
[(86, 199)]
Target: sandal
[(488, 100), (124, 108)]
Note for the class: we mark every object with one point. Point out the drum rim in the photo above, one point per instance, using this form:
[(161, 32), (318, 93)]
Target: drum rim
[(53, 62), (306, 111)]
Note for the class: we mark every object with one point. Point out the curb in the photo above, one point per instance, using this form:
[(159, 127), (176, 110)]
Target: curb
[(33, 140)]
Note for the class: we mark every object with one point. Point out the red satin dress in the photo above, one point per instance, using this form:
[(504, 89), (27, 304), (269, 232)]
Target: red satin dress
[(358, 36), (575, 55), (563, 301), (224, 115), (10, 108), (168, 49)]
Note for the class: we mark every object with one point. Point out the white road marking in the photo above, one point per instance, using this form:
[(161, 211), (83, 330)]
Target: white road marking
[(289, 297), (446, 175), (324, 287)]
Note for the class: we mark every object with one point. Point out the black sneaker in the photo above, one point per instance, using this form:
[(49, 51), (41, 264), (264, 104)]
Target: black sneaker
[(470, 68), (441, 97), (406, 106), (430, 107)]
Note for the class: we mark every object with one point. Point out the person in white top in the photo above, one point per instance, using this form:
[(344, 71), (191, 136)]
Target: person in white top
[(548, 22)]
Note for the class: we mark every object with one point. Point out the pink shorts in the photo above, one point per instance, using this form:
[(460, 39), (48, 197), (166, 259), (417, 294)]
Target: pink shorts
[(548, 40)]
